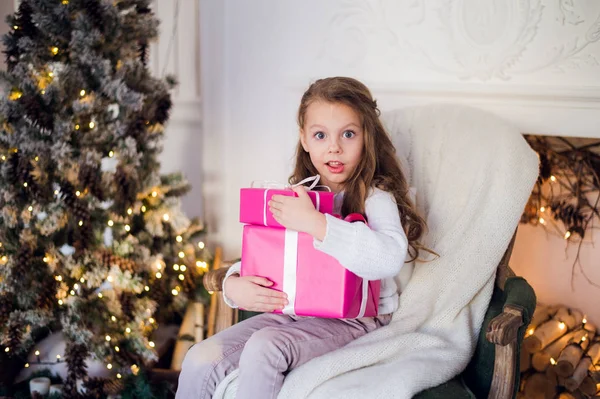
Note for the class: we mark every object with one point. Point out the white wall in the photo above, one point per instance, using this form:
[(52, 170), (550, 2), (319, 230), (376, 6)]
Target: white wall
[(533, 62), (177, 53)]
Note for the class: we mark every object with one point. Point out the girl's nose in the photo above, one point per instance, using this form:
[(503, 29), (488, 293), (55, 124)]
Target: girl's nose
[(334, 146)]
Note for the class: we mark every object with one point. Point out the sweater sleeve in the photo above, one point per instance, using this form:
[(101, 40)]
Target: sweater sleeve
[(373, 252), (235, 268)]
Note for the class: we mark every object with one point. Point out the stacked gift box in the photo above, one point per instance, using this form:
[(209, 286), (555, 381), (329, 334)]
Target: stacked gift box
[(316, 283)]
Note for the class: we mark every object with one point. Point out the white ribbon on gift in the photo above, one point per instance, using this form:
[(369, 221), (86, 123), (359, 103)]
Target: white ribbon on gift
[(268, 184), (290, 264)]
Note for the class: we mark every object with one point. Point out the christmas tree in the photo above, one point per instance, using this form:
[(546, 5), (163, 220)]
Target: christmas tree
[(92, 238)]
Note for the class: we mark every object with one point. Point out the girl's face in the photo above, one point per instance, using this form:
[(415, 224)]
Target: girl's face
[(332, 135)]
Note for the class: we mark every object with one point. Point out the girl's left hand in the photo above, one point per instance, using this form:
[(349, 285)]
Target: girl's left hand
[(298, 213)]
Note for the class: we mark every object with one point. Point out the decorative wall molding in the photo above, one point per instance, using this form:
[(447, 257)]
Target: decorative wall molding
[(471, 40)]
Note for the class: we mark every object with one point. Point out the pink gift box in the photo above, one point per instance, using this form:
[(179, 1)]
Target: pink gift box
[(254, 208), (316, 283)]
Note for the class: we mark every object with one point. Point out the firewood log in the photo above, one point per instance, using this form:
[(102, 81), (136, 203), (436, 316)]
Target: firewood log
[(538, 386), (543, 359), (524, 361), (570, 356), (581, 371), (562, 322)]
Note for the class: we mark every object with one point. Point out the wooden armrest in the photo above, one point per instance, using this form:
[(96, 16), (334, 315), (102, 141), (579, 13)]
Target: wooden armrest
[(213, 280), (502, 331)]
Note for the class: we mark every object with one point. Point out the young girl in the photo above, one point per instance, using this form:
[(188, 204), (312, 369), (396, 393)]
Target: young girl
[(343, 140)]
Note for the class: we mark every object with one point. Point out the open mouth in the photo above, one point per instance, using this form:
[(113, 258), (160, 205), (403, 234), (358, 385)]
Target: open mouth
[(335, 166)]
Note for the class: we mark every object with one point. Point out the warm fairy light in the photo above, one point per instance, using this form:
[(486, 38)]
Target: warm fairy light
[(113, 318), (158, 275), (151, 320), (26, 365), (58, 278), (4, 157), (76, 286), (72, 292), (584, 320), (175, 266), (151, 343), (159, 265), (583, 338), (109, 366), (30, 209), (78, 193), (77, 127), (15, 27), (60, 302), (175, 292), (182, 268), (92, 125), (100, 295), (143, 208), (543, 209), (82, 93), (54, 50), (567, 235), (15, 95), (135, 369), (201, 245), (109, 279), (7, 349), (117, 348), (107, 338), (165, 216), (211, 292), (127, 227), (179, 238), (36, 158), (80, 223), (55, 192), (561, 325), (146, 288), (181, 254), (542, 221), (65, 2), (57, 357), (4, 259), (553, 178), (119, 375), (154, 194), (530, 332), (552, 361), (37, 353), (25, 184), (51, 74), (129, 211), (111, 223), (128, 330), (181, 277), (111, 154), (82, 280)]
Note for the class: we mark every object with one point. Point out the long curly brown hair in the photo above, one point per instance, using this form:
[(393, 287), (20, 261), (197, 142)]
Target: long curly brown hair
[(379, 166)]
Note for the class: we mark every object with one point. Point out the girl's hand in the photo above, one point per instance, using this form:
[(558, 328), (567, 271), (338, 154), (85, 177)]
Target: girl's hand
[(298, 213), (251, 293)]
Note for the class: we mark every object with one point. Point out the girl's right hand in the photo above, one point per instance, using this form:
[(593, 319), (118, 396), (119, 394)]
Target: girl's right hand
[(251, 293)]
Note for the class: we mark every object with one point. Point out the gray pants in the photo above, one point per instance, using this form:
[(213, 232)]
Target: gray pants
[(265, 348)]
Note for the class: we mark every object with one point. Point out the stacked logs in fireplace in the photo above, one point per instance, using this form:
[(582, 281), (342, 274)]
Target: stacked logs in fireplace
[(560, 355)]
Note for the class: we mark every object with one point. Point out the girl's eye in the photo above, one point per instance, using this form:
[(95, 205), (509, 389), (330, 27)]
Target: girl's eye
[(348, 134), (319, 135)]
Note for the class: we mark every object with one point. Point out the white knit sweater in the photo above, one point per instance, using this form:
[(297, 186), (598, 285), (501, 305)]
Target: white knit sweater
[(376, 252)]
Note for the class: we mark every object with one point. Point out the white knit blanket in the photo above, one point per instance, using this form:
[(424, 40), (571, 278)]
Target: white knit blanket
[(473, 174)]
